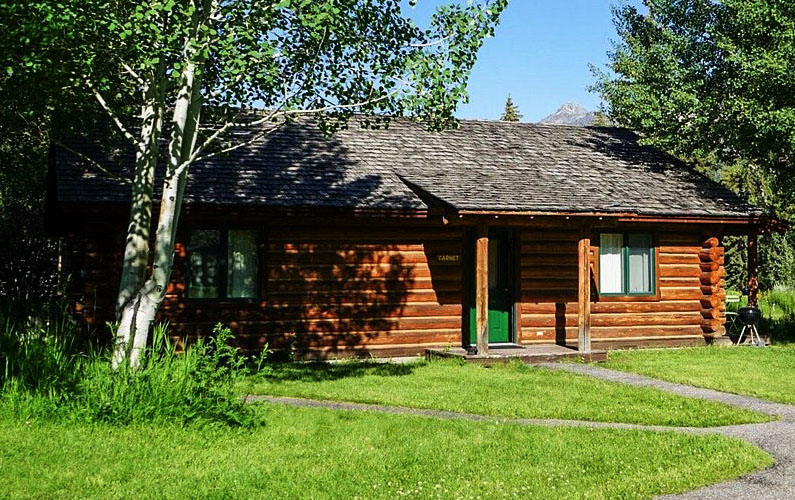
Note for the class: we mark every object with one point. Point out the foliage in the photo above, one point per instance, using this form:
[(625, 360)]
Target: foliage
[(49, 374), (762, 372), (37, 103), (776, 261), (511, 113), (513, 390), (326, 454), (340, 57), (712, 82), (600, 119)]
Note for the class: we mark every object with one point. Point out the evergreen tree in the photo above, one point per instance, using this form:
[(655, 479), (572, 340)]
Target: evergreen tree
[(600, 120), (511, 113), (711, 81)]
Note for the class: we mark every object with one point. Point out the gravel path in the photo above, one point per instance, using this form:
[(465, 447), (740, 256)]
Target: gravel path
[(777, 438), (451, 415)]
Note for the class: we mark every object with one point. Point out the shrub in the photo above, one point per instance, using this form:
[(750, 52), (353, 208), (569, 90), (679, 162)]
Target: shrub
[(47, 375)]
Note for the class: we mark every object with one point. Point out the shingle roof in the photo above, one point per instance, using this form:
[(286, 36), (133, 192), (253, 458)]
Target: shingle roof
[(482, 165)]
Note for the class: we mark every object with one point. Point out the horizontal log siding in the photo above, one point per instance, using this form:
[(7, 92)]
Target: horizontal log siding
[(377, 286), (333, 290), (94, 271), (548, 298)]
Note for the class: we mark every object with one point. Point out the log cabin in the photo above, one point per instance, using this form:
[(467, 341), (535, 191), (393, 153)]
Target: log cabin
[(392, 241)]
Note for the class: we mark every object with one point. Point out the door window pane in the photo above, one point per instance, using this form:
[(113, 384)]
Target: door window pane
[(242, 264), (640, 265), (494, 262), (204, 266), (611, 276)]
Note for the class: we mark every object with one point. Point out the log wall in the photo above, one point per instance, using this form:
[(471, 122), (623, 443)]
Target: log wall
[(380, 287), (329, 291), (92, 263), (689, 303)]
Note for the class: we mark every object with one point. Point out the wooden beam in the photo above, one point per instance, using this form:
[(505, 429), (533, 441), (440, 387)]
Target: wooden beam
[(584, 294), (753, 265), (482, 289)]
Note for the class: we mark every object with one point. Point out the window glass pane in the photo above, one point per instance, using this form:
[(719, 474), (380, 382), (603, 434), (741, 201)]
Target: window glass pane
[(242, 264), (640, 269), (610, 270), (203, 272)]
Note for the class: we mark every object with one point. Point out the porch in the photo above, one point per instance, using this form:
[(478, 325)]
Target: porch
[(529, 354), (671, 265)]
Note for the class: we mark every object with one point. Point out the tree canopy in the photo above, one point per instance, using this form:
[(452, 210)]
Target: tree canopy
[(204, 77), (713, 82)]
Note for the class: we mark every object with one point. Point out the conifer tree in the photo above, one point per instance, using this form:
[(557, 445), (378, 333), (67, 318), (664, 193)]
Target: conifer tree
[(511, 113)]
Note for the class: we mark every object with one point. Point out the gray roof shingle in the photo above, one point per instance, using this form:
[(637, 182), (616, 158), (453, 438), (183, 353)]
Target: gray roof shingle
[(482, 165)]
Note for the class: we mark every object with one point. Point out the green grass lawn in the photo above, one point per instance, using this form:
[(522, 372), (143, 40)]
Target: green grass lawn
[(318, 453), (511, 390), (767, 372)]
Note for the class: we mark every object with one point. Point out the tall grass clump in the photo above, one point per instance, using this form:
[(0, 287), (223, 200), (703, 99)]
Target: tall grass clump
[(48, 374)]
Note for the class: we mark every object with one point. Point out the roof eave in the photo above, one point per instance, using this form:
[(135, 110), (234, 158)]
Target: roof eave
[(742, 219)]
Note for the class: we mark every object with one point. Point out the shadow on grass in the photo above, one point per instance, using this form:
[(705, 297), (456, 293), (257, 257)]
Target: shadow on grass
[(781, 331), (320, 371)]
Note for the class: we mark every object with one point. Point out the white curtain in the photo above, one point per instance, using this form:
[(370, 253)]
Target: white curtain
[(610, 269), (640, 263)]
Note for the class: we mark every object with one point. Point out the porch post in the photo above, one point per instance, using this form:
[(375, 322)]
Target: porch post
[(584, 294), (753, 281), (482, 289)]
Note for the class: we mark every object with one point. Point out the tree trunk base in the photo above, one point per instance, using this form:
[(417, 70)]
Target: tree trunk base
[(133, 331)]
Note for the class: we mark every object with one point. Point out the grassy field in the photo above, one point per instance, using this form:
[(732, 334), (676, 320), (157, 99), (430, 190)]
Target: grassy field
[(318, 453), (764, 372), (512, 390)]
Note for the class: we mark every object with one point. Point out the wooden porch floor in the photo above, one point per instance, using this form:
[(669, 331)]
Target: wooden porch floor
[(530, 354)]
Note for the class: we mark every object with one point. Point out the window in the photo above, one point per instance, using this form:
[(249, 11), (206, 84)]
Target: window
[(626, 264), (223, 264)]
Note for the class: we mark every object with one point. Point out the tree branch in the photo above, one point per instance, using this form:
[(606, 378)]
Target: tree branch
[(333, 107), (133, 74), (431, 43), (113, 117), (231, 148)]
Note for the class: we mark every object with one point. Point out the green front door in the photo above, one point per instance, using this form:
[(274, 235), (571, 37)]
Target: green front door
[(500, 284)]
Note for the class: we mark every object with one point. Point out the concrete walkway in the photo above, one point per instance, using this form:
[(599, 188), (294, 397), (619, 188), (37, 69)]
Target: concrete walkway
[(777, 438)]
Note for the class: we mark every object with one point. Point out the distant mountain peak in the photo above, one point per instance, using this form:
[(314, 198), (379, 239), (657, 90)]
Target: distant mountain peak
[(571, 113), (571, 107)]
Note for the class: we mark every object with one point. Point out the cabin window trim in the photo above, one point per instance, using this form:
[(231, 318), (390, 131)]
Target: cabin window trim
[(625, 251), (222, 257)]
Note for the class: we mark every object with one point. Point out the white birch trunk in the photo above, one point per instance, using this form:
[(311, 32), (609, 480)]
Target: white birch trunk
[(136, 252), (138, 314)]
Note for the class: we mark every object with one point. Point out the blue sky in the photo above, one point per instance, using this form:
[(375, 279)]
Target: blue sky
[(539, 54)]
